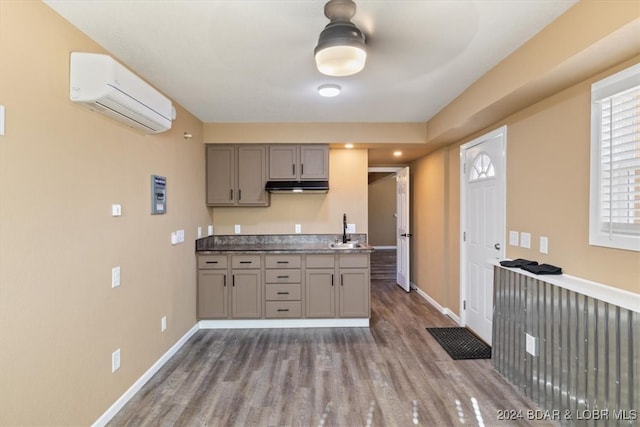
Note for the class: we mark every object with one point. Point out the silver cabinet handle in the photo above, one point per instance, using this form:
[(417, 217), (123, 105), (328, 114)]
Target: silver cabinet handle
[(497, 246)]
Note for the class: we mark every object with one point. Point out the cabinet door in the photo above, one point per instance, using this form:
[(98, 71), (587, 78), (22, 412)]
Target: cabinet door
[(283, 160), (354, 292), (320, 293), (252, 176), (314, 162), (221, 173), (245, 294), (212, 294)]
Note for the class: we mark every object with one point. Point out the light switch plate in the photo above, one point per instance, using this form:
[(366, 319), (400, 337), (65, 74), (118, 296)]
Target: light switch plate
[(210, 230), (514, 238), (180, 235), (1, 120), (298, 228), (525, 240), (115, 360), (115, 277), (199, 232), (116, 210), (532, 345), (544, 245), (174, 238), (237, 228), (351, 228)]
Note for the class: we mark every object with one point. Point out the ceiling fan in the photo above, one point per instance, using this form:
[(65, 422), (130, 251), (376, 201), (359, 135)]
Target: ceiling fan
[(341, 49)]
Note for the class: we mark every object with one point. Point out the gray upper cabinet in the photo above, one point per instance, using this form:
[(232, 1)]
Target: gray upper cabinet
[(298, 162), (236, 175)]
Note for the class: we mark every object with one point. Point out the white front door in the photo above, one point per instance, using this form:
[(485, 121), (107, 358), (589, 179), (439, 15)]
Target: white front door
[(483, 227), (403, 234)]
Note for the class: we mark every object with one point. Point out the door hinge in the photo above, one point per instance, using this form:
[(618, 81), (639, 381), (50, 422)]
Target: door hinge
[(464, 304), (464, 167), (464, 236)]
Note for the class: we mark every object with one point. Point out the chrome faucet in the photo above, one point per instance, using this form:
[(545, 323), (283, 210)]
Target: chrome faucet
[(344, 228)]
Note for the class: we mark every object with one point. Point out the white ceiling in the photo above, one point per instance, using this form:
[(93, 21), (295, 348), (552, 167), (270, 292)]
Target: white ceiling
[(252, 60)]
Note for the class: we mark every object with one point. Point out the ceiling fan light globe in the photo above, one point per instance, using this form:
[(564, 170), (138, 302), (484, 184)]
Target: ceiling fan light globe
[(339, 61)]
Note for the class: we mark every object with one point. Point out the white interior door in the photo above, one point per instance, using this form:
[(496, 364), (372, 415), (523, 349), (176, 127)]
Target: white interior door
[(402, 246), (484, 204)]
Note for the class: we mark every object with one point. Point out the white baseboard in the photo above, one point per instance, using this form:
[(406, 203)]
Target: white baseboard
[(441, 309), (283, 323), (122, 400)]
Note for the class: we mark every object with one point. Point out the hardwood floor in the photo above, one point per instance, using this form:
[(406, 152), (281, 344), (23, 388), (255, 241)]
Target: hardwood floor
[(391, 374)]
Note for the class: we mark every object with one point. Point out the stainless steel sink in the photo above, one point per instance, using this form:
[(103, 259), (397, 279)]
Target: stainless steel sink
[(349, 245)]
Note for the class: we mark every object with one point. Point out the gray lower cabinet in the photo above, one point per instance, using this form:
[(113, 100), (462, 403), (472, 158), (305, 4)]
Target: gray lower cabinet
[(320, 286), (354, 289), (213, 294), (320, 291), (281, 286), (246, 287)]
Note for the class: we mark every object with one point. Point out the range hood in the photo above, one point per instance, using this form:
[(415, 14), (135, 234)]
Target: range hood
[(297, 186)]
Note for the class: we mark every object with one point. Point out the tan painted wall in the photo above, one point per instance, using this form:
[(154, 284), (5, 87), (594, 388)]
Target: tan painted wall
[(548, 149), (61, 168), (548, 146), (382, 208), (429, 222), (316, 213), (306, 133)]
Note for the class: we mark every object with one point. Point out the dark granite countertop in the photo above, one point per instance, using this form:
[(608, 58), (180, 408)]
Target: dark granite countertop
[(279, 243)]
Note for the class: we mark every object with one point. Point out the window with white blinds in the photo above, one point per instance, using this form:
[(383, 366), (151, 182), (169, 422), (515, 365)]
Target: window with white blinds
[(614, 219)]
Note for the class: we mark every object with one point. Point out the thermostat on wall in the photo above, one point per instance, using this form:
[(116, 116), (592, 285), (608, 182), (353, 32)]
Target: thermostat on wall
[(158, 195)]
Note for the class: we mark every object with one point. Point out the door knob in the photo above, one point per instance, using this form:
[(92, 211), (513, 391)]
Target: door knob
[(497, 246), (406, 235)]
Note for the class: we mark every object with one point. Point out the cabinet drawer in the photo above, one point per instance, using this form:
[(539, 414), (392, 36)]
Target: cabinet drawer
[(320, 261), (354, 261), (283, 309), (212, 261), (245, 261), (282, 261), (291, 292), (283, 276)]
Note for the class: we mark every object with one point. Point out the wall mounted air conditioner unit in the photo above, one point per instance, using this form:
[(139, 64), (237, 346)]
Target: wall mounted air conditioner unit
[(104, 85)]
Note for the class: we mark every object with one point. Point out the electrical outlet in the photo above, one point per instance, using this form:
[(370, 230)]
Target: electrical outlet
[(514, 238), (115, 360), (115, 277), (163, 324), (116, 210), (199, 232), (174, 238), (180, 235), (298, 228), (210, 230), (236, 229), (351, 228), (525, 240), (544, 245)]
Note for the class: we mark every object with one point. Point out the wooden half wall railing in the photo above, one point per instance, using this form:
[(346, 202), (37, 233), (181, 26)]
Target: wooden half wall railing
[(583, 363)]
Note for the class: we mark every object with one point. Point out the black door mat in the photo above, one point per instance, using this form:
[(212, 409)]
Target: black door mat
[(461, 343)]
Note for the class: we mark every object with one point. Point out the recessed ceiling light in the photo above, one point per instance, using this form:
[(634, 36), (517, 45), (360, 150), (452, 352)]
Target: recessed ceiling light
[(397, 153), (349, 145), (329, 90)]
